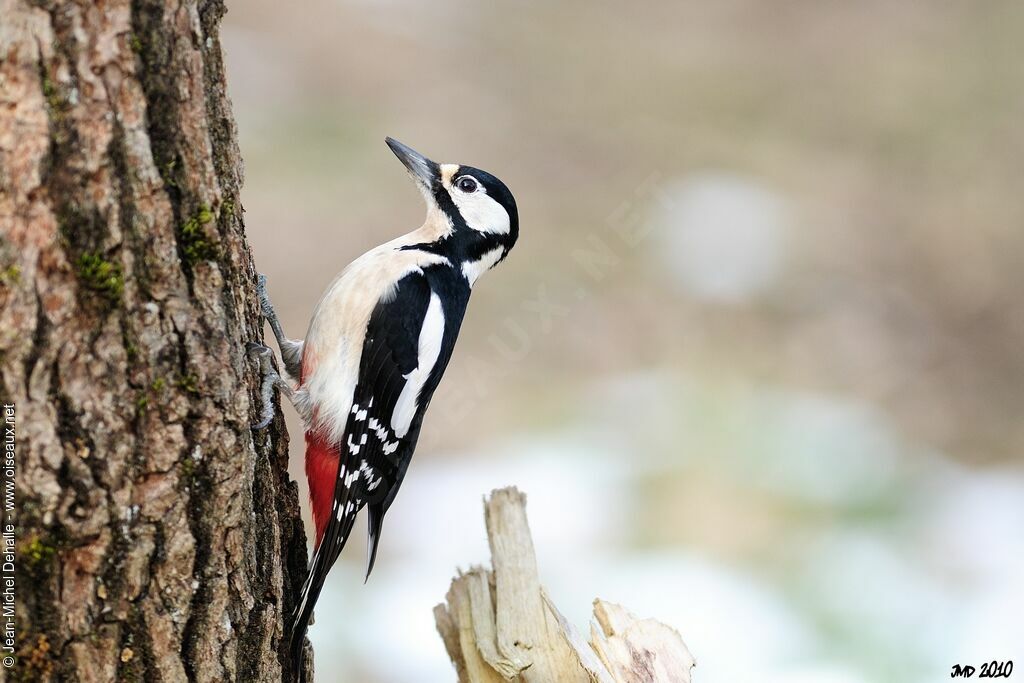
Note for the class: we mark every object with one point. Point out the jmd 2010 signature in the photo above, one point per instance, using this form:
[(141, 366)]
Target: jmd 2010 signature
[(988, 670)]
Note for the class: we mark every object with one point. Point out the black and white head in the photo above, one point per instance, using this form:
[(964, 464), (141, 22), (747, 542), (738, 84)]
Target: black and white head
[(481, 221)]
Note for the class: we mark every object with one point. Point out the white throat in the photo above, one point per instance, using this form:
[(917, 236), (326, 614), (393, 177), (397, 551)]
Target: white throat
[(474, 269)]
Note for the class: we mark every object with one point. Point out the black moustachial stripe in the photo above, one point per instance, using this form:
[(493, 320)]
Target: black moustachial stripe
[(463, 243)]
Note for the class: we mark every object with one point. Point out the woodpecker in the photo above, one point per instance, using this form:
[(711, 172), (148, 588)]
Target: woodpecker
[(377, 345)]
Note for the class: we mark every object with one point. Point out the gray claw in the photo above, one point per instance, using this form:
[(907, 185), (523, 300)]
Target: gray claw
[(264, 357), (264, 423), (267, 308), (260, 353), (261, 293)]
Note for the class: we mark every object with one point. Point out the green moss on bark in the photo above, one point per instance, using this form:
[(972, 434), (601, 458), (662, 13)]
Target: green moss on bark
[(195, 242), (101, 276)]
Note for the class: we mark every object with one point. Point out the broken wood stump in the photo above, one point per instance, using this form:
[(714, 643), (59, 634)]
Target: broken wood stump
[(500, 625)]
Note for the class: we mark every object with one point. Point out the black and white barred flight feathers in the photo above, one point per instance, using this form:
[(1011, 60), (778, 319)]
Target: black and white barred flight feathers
[(377, 346)]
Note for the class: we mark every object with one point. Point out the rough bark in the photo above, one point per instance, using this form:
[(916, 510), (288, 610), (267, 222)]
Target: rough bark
[(158, 538), (500, 625)]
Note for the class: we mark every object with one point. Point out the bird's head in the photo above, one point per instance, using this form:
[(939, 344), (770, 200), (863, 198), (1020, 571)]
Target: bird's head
[(480, 210)]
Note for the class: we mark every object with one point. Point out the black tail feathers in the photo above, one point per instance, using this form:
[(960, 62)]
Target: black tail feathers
[(374, 521)]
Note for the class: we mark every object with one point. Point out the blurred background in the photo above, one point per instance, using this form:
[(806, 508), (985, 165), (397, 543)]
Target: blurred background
[(758, 357)]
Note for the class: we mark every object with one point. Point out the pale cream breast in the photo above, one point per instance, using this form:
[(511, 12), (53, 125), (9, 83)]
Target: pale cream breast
[(334, 341)]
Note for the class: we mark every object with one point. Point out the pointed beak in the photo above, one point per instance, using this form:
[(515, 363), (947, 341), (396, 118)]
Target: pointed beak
[(424, 171)]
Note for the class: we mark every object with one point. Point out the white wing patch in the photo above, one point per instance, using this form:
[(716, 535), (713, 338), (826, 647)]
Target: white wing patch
[(334, 340), (429, 349), (474, 269)]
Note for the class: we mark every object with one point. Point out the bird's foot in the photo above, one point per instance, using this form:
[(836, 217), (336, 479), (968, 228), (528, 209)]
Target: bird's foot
[(264, 297), (264, 357), (291, 349)]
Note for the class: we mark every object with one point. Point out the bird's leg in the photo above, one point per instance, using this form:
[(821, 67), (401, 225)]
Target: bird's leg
[(291, 349), (264, 356)]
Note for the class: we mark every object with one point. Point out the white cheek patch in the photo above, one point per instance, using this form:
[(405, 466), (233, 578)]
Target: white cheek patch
[(482, 213), (431, 335)]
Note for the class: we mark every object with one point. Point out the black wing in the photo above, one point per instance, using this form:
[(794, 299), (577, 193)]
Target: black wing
[(373, 458)]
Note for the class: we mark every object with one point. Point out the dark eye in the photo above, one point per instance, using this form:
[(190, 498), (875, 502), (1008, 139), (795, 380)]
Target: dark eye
[(467, 184)]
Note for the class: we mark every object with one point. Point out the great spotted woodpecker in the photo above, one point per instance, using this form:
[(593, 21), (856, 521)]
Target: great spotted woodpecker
[(377, 346)]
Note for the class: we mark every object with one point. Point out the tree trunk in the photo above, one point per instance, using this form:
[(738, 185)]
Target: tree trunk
[(158, 538)]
